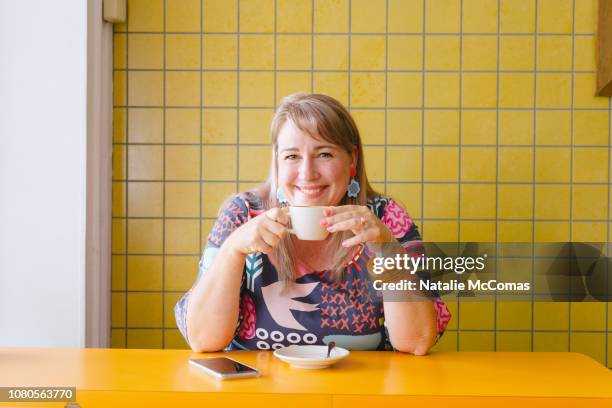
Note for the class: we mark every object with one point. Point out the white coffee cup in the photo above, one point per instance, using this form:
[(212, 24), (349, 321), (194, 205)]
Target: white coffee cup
[(306, 223)]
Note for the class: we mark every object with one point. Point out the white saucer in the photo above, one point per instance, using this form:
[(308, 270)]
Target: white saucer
[(311, 357)]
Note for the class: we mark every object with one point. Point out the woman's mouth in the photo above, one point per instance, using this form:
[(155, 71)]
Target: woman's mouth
[(311, 192)]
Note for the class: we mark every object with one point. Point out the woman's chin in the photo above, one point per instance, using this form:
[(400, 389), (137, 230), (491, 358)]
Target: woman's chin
[(303, 201)]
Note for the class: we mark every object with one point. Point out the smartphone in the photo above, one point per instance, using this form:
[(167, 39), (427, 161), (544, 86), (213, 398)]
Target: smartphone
[(224, 368)]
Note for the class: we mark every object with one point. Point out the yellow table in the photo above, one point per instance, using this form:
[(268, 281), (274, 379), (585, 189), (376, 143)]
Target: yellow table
[(116, 377)]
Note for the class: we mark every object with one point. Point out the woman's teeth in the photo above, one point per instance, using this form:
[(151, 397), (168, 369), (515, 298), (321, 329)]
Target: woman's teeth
[(310, 191)]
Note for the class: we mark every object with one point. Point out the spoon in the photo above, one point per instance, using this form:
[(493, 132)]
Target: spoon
[(330, 346)]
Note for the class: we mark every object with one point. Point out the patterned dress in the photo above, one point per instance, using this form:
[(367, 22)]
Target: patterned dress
[(313, 309)]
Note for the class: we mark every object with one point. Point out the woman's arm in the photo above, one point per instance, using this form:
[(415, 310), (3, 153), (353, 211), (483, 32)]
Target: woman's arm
[(410, 316), (411, 325), (412, 321), (213, 303), (212, 311)]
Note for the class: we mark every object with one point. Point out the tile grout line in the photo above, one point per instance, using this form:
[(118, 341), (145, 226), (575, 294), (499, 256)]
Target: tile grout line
[(607, 314), (459, 144), (201, 156), (331, 70), (364, 108), (492, 220), (607, 356), (533, 197), (350, 52), (312, 47), (163, 294), (447, 330), (127, 176), (361, 34), (505, 183), (497, 127), (430, 145), (386, 112), (275, 54), (195, 254), (571, 186), (238, 107), (422, 145)]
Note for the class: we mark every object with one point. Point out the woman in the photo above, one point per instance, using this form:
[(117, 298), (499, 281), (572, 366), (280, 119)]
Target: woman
[(260, 287)]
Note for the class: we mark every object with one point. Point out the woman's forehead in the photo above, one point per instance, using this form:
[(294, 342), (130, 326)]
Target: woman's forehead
[(292, 136)]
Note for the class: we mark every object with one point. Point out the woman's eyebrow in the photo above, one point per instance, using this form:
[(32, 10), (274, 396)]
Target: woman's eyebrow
[(316, 148)]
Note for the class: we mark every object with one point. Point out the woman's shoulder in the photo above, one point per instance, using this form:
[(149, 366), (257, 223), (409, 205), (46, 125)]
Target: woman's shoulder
[(381, 204), (246, 202), (394, 215), (235, 211), (377, 204)]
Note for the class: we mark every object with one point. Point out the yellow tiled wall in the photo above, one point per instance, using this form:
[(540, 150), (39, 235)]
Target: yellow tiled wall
[(478, 115)]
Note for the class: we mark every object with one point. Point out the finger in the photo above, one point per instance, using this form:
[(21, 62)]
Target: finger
[(361, 216), (283, 216), (263, 246), (341, 209), (278, 215), (354, 241), (352, 224), (268, 236), (331, 220), (276, 228), (360, 238)]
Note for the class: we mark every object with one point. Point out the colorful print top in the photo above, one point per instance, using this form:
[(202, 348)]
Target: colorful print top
[(313, 309)]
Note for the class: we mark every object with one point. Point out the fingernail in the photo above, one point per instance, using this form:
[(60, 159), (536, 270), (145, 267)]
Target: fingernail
[(323, 222), (330, 228)]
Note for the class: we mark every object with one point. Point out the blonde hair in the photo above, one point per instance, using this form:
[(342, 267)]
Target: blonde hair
[(323, 116)]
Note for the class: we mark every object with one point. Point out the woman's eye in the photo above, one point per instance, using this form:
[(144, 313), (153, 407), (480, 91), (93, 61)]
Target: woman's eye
[(326, 155), (291, 157)]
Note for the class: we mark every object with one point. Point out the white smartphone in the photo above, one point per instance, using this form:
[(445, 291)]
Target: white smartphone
[(224, 368)]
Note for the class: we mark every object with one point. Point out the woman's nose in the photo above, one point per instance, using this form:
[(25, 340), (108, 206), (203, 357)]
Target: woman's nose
[(308, 170)]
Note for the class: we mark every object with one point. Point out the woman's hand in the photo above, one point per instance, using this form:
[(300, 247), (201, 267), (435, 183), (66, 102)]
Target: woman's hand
[(262, 233), (366, 226)]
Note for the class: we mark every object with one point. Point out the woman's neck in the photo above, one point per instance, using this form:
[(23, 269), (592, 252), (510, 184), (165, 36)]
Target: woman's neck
[(313, 253)]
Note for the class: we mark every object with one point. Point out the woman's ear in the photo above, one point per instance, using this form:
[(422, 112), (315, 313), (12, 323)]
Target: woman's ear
[(354, 157)]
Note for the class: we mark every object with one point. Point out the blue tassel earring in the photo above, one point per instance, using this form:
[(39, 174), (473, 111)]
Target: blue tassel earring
[(353, 187), (280, 196)]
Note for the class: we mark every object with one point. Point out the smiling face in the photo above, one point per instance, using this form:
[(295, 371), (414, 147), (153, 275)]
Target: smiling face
[(311, 171)]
